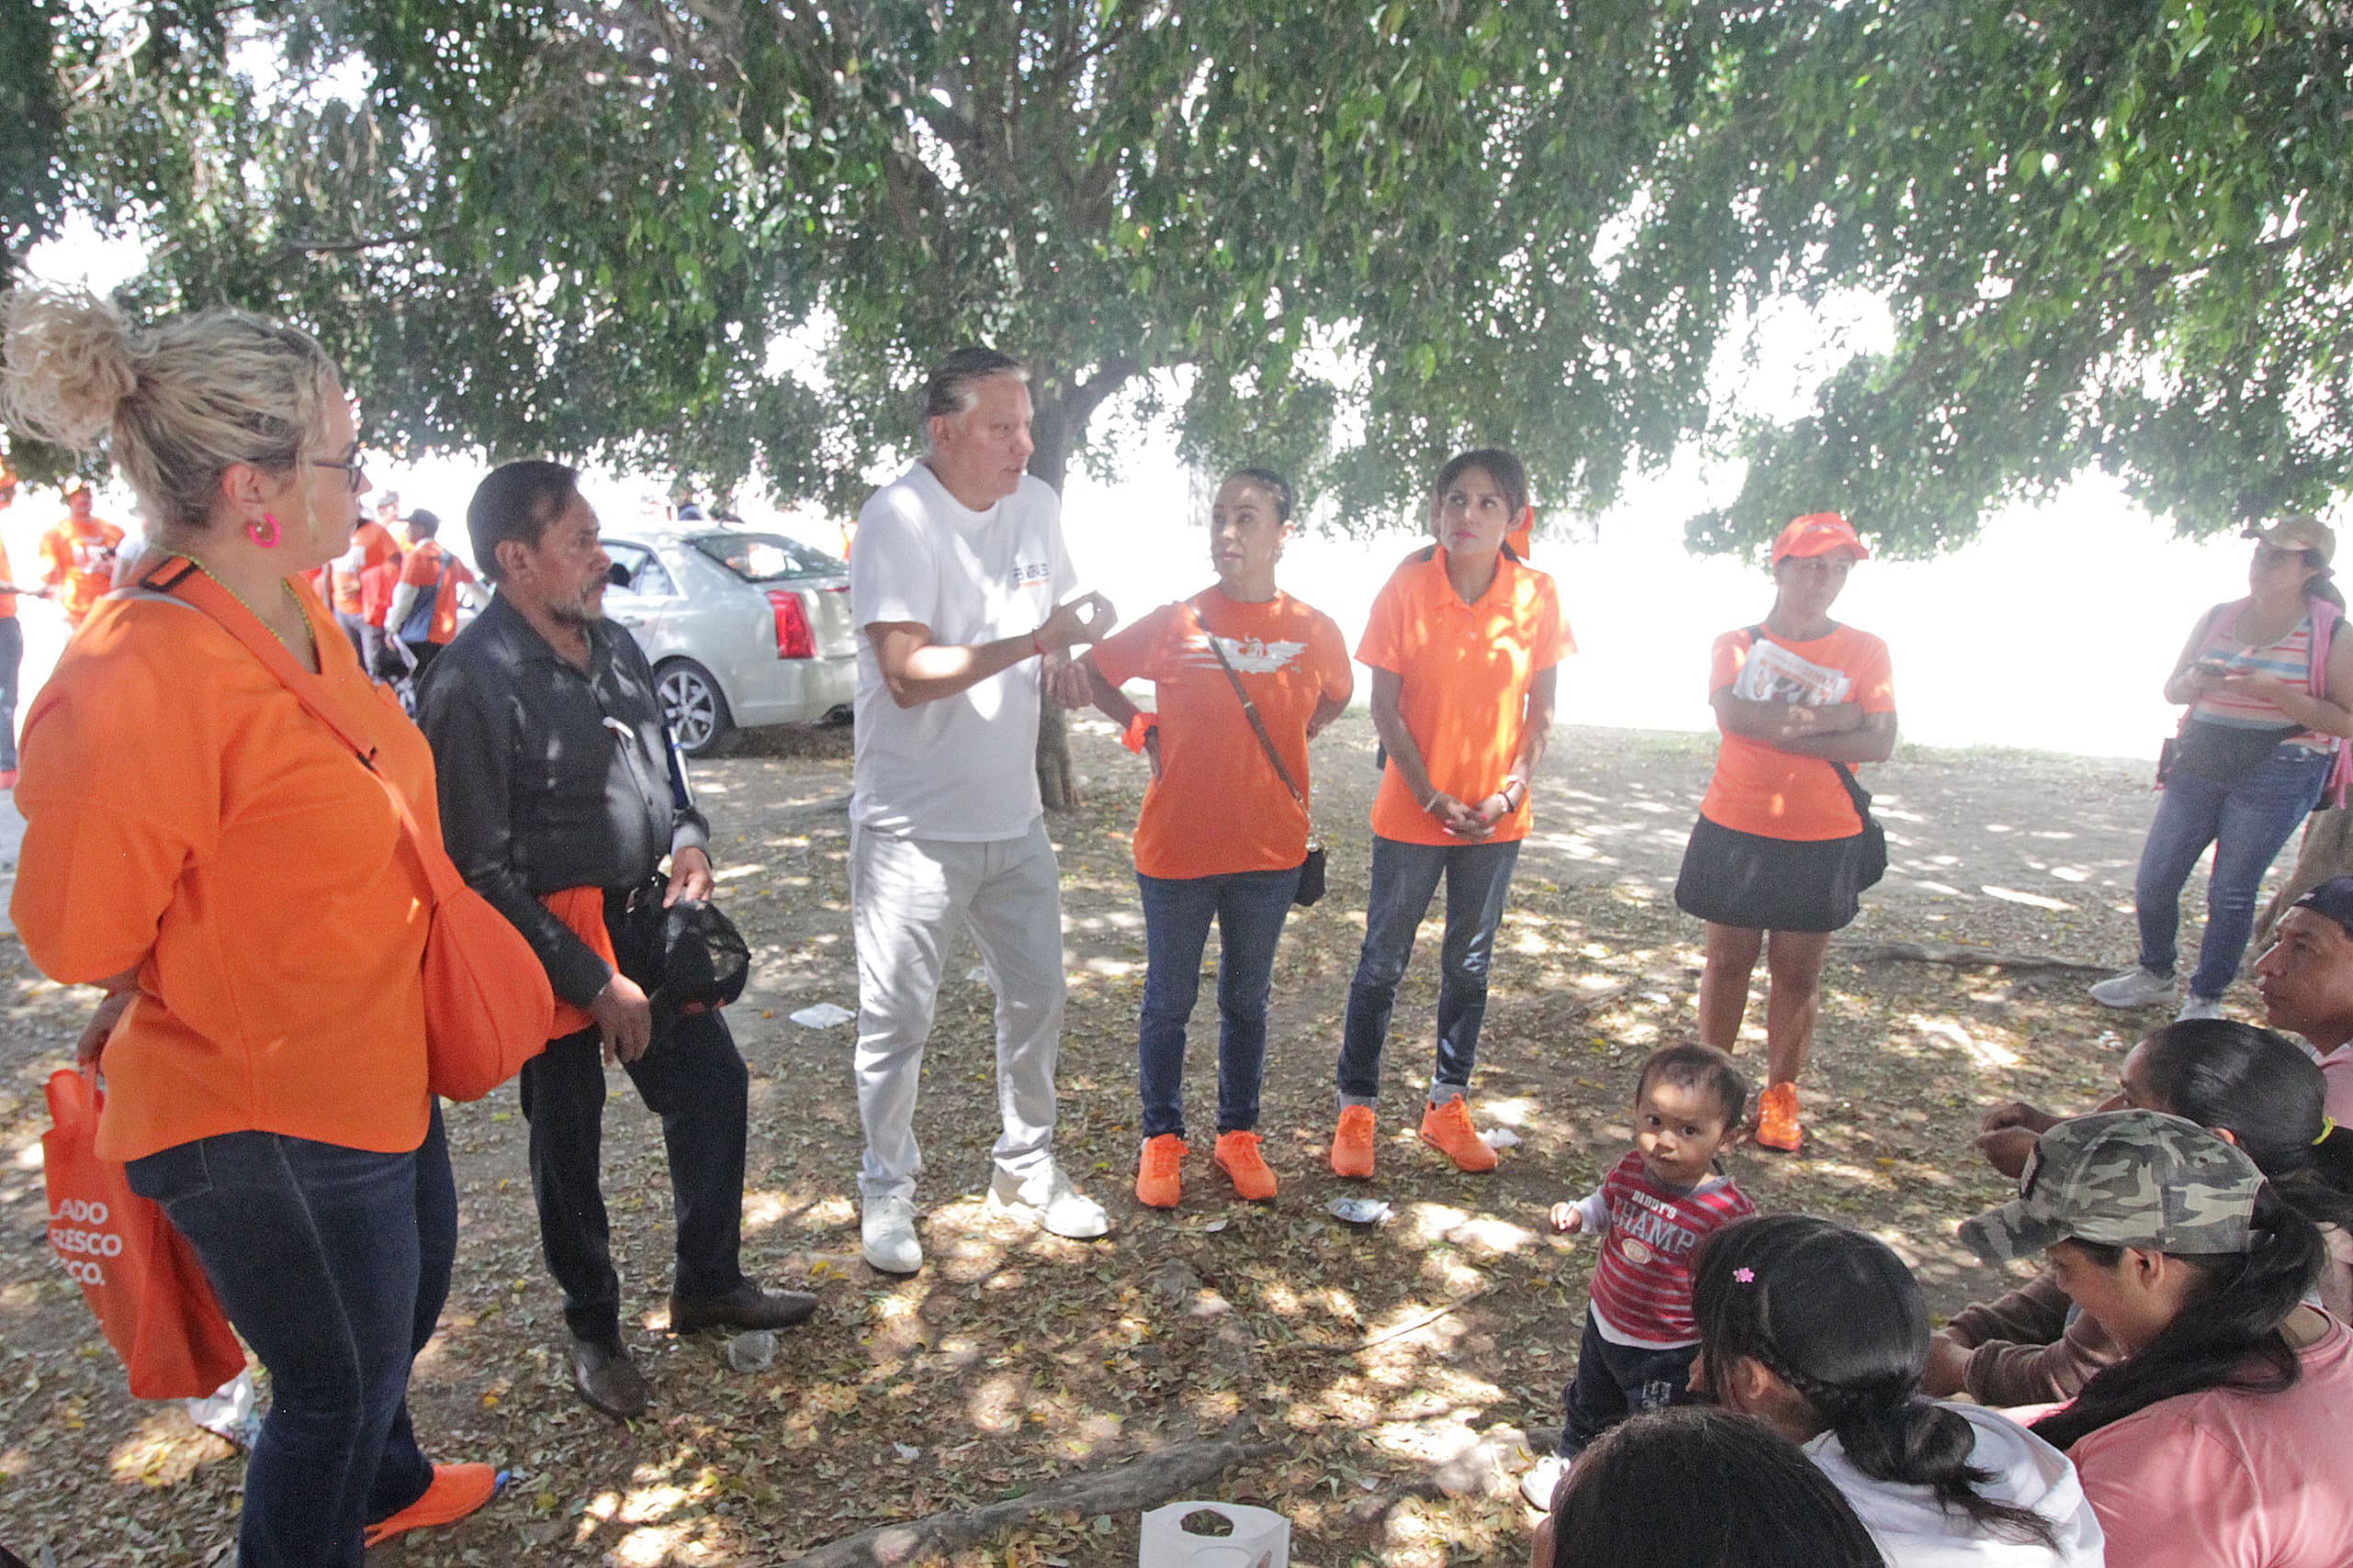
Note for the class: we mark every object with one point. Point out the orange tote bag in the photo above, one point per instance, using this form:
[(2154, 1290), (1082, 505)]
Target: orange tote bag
[(139, 1274)]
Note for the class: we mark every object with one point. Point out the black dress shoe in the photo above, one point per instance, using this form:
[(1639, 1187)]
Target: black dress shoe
[(746, 1306), (607, 1380)]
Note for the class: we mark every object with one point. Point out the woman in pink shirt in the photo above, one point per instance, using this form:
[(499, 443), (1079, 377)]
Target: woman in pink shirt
[(2219, 1441)]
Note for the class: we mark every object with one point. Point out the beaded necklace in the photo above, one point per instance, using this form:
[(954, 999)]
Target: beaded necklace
[(309, 633)]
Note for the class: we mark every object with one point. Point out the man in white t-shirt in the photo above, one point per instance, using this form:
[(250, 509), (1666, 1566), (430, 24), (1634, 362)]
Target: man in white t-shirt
[(955, 586)]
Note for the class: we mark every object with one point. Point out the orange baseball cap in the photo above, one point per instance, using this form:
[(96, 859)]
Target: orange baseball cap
[(1818, 533)]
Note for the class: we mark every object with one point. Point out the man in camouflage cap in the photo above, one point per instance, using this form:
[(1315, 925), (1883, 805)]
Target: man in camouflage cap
[(2131, 1178)]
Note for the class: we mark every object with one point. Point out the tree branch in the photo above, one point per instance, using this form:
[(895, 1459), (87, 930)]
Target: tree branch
[(298, 247)]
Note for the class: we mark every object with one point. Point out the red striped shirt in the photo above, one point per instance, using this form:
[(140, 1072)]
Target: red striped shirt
[(1642, 1287)]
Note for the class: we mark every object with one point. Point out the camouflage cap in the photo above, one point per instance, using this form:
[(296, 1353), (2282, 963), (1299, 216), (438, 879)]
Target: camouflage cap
[(2131, 1178)]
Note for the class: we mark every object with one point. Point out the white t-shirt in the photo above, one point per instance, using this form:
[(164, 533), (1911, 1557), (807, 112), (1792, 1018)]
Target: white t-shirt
[(964, 766), (1915, 1531)]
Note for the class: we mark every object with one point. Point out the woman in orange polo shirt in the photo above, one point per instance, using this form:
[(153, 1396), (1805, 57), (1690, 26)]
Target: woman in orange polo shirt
[(222, 865), (1221, 837), (1775, 863), (1464, 644)]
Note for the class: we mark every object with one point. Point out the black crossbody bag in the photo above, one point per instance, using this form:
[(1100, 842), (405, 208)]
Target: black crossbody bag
[(1311, 870)]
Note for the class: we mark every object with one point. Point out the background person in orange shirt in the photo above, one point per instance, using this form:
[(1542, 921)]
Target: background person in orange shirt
[(377, 586), (424, 613), (1464, 644), (79, 556), (187, 820), (372, 544), (12, 641), (1774, 864), (1221, 837)]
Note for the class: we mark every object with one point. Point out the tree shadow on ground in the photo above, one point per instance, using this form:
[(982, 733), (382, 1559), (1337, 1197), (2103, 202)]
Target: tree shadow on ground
[(1399, 1366)]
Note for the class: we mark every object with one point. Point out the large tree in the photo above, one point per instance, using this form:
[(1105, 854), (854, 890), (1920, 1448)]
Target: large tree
[(726, 234)]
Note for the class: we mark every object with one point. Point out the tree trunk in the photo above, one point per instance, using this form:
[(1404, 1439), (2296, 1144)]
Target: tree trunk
[(1057, 780), (2327, 851)]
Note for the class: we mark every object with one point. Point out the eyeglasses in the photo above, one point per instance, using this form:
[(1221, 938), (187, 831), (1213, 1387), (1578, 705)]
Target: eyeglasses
[(354, 470), (2265, 554)]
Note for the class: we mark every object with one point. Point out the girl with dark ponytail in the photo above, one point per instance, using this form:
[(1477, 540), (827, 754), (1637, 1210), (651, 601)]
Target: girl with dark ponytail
[(1821, 1332), (2217, 1441), (2258, 1089)]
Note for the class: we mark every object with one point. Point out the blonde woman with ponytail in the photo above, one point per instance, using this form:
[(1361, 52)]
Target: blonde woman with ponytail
[(222, 866)]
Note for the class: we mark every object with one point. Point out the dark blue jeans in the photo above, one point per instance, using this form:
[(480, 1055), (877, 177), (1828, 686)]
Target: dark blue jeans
[(1405, 878), (1249, 908), (1615, 1380), (12, 658), (334, 1264), (2247, 820)]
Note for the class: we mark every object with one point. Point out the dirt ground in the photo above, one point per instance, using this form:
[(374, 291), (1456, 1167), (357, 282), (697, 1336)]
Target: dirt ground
[(1396, 1369)]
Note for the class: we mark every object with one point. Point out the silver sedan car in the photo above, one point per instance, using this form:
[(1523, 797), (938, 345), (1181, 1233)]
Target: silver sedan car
[(743, 628)]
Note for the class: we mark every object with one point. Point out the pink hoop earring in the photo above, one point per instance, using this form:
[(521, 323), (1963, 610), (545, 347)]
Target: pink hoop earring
[(264, 533)]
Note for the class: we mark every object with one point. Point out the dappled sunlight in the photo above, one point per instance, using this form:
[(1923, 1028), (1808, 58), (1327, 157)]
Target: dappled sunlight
[(1989, 1055)]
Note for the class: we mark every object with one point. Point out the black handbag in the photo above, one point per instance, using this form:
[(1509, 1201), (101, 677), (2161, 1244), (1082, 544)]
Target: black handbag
[(1872, 853), (1311, 870)]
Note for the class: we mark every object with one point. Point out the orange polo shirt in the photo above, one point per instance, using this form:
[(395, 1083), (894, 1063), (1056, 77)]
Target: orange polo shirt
[(1466, 670), (74, 557), (1773, 793), (376, 545), (1218, 805), (184, 815)]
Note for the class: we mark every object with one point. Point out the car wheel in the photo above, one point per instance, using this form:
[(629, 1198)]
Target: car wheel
[(696, 713)]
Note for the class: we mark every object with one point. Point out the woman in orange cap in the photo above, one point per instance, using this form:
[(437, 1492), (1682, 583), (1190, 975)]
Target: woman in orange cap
[(1779, 857)]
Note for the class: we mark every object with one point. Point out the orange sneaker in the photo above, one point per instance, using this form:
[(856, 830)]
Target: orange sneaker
[(1159, 1183), (1352, 1142), (1237, 1155), (1777, 1119), (455, 1491), (1447, 1128)]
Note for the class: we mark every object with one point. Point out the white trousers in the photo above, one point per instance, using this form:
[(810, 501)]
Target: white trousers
[(905, 896)]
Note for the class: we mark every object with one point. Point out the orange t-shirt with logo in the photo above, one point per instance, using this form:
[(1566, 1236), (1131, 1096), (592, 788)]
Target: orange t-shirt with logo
[(78, 557), (423, 568), (185, 816), (1217, 806), (375, 546), (1773, 793), (1466, 670)]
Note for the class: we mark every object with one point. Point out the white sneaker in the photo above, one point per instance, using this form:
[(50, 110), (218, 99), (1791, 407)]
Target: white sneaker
[(2197, 1006), (1544, 1479), (886, 1234), (1049, 1198), (2133, 988)]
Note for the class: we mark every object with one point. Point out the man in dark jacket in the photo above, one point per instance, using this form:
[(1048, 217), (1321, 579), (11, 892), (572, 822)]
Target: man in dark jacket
[(559, 794)]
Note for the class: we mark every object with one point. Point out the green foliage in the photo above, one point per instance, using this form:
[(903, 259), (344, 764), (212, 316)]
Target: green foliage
[(2113, 235), (1346, 235)]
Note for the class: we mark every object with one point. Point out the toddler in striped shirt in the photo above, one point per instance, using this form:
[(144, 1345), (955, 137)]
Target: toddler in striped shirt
[(1651, 1212)]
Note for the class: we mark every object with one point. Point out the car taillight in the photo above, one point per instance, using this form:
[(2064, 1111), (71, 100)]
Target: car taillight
[(794, 640)]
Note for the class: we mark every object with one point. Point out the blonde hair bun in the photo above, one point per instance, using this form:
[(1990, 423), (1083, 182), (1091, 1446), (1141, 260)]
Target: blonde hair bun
[(70, 364), (177, 404)]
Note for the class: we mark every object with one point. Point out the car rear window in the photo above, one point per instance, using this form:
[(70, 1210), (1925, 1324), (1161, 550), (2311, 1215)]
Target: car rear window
[(765, 558)]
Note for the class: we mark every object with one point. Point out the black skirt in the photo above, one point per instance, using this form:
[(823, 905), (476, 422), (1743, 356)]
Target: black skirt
[(1769, 884)]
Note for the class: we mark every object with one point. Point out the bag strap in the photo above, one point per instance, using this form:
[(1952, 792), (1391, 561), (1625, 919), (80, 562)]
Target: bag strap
[(182, 579), (1860, 797), (1250, 711)]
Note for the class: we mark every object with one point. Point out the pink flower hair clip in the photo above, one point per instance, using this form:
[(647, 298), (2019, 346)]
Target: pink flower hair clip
[(1745, 1276)]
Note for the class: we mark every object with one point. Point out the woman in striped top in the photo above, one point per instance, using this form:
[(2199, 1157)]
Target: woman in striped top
[(2263, 729)]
